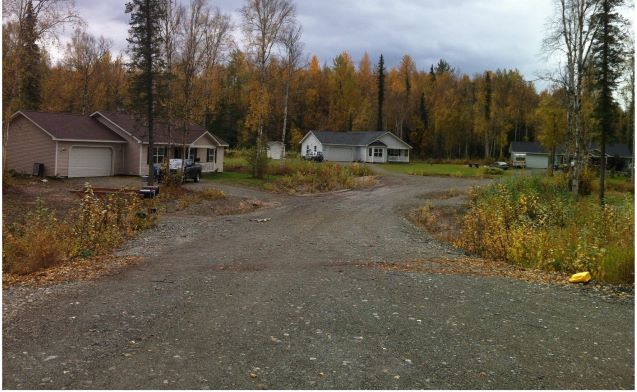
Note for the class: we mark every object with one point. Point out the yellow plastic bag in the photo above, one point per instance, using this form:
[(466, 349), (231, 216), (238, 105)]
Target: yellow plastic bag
[(581, 277)]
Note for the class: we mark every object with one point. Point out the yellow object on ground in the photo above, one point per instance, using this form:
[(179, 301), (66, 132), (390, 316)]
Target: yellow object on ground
[(581, 277)]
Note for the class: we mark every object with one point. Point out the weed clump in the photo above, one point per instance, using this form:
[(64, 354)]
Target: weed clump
[(535, 222), (93, 228)]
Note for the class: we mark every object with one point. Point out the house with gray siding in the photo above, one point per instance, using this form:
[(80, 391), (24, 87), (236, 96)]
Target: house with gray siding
[(372, 147)]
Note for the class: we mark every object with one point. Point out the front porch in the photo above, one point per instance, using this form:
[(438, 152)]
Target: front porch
[(209, 157), (398, 155)]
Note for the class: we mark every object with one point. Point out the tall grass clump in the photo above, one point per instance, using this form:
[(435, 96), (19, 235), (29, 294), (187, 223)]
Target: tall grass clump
[(294, 176), (93, 228), (534, 222)]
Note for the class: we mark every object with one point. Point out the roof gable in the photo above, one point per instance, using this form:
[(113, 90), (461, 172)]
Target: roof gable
[(164, 131), (72, 127), (356, 138)]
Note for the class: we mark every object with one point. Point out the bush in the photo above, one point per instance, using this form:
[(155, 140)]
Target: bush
[(94, 228), (360, 170), (534, 222), (257, 160), (40, 243)]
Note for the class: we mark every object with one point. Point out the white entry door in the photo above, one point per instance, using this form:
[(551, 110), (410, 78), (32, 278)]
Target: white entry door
[(90, 162)]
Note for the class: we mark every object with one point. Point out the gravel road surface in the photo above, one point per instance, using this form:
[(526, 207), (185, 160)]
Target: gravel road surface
[(291, 303)]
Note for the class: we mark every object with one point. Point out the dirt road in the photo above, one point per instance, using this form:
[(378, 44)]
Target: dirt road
[(292, 303)]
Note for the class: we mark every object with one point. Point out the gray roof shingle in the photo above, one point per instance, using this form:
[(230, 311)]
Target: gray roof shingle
[(66, 126), (347, 138)]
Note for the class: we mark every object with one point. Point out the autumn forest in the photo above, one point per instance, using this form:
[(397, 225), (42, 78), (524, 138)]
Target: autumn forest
[(211, 77)]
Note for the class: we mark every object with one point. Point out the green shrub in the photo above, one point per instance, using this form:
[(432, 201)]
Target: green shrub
[(257, 160)]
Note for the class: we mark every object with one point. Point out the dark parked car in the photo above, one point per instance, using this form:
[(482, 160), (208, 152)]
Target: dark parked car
[(192, 170), (500, 165), (314, 156)]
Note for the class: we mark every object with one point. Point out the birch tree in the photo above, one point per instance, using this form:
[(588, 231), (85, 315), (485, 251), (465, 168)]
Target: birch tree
[(263, 22), (291, 41), (82, 55), (570, 39)]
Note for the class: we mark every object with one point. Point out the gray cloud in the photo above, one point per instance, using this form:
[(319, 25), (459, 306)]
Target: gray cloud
[(472, 35)]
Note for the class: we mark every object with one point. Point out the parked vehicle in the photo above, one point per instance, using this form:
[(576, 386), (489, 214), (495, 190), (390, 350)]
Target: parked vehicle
[(316, 156), (192, 170), (500, 165)]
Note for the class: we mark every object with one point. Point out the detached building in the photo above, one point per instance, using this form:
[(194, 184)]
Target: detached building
[(531, 155), (373, 147)]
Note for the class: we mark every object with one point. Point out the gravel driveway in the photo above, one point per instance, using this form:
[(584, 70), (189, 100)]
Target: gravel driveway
[(290, 303)]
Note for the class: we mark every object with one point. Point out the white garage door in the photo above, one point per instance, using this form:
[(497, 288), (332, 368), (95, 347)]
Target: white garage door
[(90, 162), (537, 161), (339, 154)]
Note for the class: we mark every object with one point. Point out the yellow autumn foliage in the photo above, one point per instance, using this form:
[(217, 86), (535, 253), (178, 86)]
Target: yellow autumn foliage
[(534, 222)]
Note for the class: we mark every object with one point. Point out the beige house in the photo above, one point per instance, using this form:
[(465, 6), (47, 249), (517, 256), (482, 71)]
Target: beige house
[(103, 144)]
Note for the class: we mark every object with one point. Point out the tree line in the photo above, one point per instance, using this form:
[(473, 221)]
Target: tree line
[(263, 85)]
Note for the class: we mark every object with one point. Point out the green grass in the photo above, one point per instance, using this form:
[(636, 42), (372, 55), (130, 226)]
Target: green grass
[(442, 169)]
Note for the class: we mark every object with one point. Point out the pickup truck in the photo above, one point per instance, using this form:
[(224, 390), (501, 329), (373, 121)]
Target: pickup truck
[(192, 170)]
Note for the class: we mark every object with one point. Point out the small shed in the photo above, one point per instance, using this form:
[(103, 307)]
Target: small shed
[(276, 150)]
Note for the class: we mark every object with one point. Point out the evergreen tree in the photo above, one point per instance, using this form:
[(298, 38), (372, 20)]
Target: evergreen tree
[(422, 111), (30, 62), (381, 92), (608, 58), (147, 64)]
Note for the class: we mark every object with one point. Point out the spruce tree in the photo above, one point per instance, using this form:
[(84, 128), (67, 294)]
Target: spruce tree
[(147, 63), (30, 62), (381, 92), (608, 57)]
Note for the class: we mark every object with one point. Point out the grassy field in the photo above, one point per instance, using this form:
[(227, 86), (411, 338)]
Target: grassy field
[(444, 169)]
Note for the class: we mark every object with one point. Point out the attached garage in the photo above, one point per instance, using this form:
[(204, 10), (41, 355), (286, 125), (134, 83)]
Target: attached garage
[(537, 161), (90, 161), (338, 154)]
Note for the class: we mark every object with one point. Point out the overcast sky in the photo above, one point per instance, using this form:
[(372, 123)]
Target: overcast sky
[(472, 35)]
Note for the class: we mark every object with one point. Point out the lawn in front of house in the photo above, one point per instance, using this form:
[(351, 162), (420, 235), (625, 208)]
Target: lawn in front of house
[(444, 169)]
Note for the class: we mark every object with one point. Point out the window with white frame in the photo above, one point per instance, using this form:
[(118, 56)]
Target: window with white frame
[(371, 152), (212, 155), (192, 154), (159, 154), (378, 152)]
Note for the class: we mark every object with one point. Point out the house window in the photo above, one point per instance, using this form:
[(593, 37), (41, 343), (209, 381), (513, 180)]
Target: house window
[(307, 149), (378, 152), (314, 148), (177, 154), (371, 152), (212, 155), (192, 154), (394, 153), (159, 154)]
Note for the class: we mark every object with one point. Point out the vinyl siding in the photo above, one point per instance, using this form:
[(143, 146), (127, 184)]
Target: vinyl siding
[(28, 144), (129, 156)]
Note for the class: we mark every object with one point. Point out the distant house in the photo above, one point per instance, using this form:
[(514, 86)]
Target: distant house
[(374, 147), (618, 155), (276, 150), (531, 155), (102, 144)]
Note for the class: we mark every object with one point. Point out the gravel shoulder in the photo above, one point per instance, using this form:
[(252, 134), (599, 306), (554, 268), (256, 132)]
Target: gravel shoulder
[(296, 302)]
